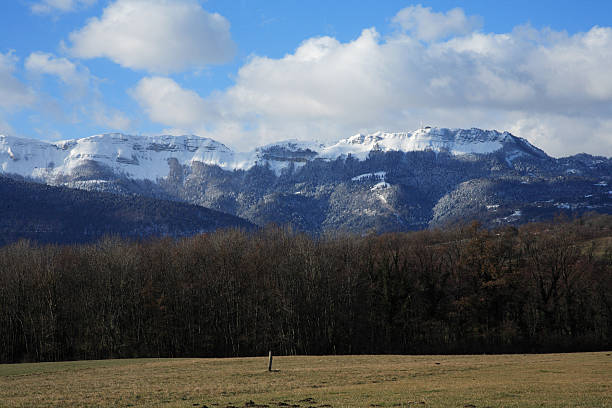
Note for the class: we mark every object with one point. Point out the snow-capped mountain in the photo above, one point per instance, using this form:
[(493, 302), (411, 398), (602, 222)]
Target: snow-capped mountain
[(453, 141), (146, 157), (137, 157), (456, 142), (382, 181)]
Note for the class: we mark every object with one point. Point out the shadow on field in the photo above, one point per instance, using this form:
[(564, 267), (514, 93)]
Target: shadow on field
[(305, 403)]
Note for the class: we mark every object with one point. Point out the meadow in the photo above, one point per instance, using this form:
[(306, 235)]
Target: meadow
[(468, 381)]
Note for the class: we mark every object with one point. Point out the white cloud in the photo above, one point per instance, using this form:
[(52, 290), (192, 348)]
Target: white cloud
[(550, 87), (82, 99), (562, 135), (79, 86), (166, 102), (110, 118), (427, 25), (49, 6), (5, 127), (45, 63), (13, 93), (159, 36)]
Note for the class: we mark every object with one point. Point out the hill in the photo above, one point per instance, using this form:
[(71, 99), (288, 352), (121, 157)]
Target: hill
[(49, 214)]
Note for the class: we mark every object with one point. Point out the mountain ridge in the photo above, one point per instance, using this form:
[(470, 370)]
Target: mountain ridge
[(381, 181), (49, 214), (144, 157)]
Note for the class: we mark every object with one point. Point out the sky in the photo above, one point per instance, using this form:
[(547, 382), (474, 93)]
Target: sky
[(247, 72)]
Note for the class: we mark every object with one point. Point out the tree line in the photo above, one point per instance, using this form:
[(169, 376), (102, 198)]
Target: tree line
[(537, 288)]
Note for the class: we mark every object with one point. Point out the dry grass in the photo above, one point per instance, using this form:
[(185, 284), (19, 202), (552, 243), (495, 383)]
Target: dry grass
[(553, 380)]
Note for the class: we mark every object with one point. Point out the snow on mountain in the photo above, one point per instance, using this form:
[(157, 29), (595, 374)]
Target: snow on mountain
[(28, 157), (146, 157), (453, 141), (377, 175), (137, 157), (280, 155)]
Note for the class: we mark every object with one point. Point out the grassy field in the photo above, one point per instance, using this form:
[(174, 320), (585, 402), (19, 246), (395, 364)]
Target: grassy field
[(552, 380)]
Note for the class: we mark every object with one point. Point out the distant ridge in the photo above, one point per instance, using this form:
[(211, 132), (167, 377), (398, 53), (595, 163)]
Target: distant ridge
[(146, 157), (367, 182), (49, 214)]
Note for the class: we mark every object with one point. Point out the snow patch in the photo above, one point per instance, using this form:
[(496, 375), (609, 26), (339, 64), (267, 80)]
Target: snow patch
[(380, 186), (513, 156), (377, 175), (514, 216)]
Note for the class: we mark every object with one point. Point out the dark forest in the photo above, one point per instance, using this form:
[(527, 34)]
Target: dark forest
[(542, 287)]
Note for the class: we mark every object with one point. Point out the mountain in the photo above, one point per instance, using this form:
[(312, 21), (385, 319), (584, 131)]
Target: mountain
[(380, 181), (147, 157), (61, 215)]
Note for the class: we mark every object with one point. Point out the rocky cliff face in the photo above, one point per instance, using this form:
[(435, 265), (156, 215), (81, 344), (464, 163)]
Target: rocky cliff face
[(381, 181)]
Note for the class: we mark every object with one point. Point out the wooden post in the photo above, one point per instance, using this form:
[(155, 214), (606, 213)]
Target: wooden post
[(270, 360)]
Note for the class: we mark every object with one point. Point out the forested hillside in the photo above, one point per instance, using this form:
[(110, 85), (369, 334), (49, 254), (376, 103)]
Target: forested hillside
[(62, 215), (539, 287)]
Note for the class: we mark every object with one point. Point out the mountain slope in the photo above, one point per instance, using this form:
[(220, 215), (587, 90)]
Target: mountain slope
[(382, 181), (62, 215)]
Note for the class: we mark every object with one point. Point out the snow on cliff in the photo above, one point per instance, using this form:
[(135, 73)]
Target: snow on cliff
[(147, 157)]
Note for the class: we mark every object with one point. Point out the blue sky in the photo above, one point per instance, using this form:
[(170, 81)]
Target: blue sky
[(251, 72)]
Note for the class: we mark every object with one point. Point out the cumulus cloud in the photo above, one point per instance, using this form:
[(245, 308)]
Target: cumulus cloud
[(79, 85), (13, 93), (82, 99), (427, 25), (45, 63), (159, 36), (551, 87), (49, 6), (167, 102), (109, 118)]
